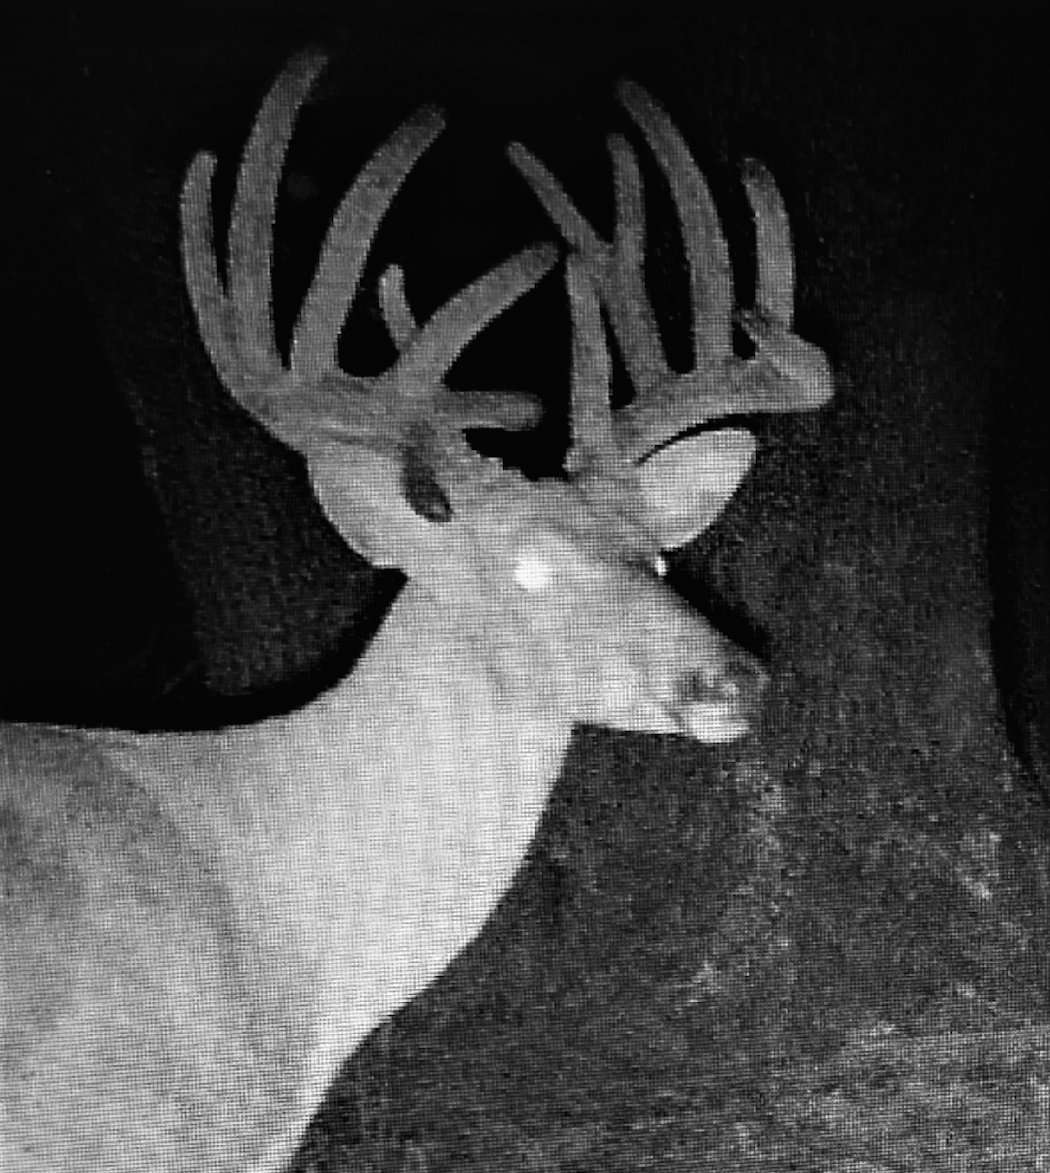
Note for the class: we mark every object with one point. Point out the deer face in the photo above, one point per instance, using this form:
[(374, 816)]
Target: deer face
[(612, 644), (562, 600), (606, 638)]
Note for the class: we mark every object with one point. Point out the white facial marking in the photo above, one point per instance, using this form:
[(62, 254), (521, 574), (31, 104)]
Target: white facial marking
[(714, 724), (532, 572)]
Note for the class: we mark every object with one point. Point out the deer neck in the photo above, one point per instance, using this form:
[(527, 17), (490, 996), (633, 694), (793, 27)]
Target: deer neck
[(451, 773), (377, 827)]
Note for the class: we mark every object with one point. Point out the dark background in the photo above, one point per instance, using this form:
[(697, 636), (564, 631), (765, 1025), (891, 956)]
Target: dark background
[(908, 145), (166, 566)]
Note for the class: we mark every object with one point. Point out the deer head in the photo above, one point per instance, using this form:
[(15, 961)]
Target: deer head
[(554, 583)]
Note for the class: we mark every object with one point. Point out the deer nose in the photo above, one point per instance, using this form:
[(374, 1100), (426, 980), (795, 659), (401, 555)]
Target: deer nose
[(738, 678), (719, 705)]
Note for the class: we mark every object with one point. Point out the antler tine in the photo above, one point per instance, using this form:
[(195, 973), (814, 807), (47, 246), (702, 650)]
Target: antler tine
[(398, 318), (250, 257), (774, 255), (237, 326), (592, 452), (614, 269), (630, 310), (349, 238), (808, 383), (216, 320), (710, 275)]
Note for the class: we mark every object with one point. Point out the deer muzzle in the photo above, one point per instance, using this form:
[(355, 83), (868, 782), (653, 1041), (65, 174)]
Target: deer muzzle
[(719, 705)]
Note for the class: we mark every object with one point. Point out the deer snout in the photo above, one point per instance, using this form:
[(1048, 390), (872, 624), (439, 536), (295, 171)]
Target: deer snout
[(718, 702)]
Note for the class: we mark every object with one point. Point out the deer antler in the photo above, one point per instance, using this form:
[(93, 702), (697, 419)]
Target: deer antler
[(312, 397), (786, 373)]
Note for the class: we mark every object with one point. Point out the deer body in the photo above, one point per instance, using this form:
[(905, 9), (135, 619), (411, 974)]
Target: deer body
[(197, 929), (357, 844)]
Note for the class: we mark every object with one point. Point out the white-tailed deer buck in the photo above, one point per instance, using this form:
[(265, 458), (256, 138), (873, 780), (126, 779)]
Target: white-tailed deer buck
[(199, 928)]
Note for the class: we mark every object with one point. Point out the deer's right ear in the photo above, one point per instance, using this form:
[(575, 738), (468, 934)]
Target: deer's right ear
[(686, 485), (362, 493)]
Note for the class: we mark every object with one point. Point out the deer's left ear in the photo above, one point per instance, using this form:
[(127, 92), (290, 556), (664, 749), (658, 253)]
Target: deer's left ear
[(686, 485)]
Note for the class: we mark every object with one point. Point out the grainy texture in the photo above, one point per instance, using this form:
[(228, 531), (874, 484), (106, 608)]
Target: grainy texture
[(831, 953)]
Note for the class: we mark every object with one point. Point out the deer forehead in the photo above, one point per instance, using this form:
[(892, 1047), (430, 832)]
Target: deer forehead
[(549, 534)]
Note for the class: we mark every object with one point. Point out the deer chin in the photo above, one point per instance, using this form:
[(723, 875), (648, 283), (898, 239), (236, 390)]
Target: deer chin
[(713, 724)]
